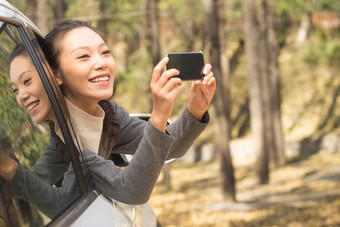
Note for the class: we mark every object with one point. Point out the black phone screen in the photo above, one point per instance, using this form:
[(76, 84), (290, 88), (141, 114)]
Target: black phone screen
[(189, 64)]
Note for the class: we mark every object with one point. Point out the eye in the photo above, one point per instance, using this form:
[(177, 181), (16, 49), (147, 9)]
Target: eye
[(15, 90), (107, 52), (83, 56), (27, 81)]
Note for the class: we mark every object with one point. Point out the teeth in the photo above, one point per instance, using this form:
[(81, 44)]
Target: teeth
[(100, 79), (32, 106)]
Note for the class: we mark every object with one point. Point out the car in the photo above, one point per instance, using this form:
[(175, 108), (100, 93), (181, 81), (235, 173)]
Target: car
[(25, 141)]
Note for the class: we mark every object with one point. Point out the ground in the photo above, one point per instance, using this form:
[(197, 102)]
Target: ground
[(301, 193)]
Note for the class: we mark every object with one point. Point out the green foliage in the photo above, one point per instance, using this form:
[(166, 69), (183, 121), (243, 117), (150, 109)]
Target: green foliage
[(293, 9), (322, 49), (333, 53), (20, 4), (27, 141), (326, 5)]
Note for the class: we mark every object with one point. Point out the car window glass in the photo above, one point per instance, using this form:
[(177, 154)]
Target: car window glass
[(25, 141)]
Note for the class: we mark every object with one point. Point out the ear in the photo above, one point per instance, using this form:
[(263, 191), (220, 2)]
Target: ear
[(58, 78)]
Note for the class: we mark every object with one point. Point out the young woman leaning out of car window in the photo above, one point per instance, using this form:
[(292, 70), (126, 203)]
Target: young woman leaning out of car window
[(85, 70)]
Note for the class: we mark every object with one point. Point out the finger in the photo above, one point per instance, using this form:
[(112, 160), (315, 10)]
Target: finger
[(207, 77), (172, 83), (167, 75), (207, 69), (211, 81), (158, 69), (176, 90), (196, 84), (166, 83)]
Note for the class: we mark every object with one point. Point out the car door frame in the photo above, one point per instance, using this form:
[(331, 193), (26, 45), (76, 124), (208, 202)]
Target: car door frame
[(60, 111), (30, 36)]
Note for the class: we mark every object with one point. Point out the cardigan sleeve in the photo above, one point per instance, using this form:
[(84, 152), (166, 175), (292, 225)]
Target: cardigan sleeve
[(131, 185), (51, 165), (184, 130), (134, 183), (48, 199)]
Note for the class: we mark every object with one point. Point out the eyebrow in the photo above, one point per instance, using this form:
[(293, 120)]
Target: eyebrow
[(87, 47), (20, 76)]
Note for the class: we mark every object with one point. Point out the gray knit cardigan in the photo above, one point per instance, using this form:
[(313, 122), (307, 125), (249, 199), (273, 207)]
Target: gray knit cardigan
[(131, 185)]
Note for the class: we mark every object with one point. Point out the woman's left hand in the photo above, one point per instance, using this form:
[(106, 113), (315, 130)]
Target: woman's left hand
[(8, 166), (201, 93)]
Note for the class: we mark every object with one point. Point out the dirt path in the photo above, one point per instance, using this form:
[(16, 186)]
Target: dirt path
[(305, 193)]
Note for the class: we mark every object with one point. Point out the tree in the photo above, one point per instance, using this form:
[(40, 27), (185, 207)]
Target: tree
[(306, 23), (264, 90), (59, 10), (36, 10), (153, 20), (143, 36), (218, 58)]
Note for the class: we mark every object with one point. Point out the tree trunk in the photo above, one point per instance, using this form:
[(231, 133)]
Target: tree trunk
[(153, 21), (59, 10), (153, 18), (143, 37), (263, 79), (218, 58), (103, 20), (31, 8), (166, 175), (277, 157), (191, 26), (36, 10), (306, 24), (41, 12)]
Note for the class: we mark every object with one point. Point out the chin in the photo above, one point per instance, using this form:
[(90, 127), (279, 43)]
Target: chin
[(105, 95), (38, 119)]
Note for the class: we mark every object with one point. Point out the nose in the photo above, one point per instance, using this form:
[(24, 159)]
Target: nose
[(100, 62), (22, 97)]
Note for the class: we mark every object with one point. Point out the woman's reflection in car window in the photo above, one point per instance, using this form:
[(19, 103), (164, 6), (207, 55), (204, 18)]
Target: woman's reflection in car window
[(28, 88), (27, 184)]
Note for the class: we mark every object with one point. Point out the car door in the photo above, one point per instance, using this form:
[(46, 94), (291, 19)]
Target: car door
[(24, 141)]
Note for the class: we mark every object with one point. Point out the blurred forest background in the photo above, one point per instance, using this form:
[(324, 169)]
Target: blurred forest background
[(270, 156)]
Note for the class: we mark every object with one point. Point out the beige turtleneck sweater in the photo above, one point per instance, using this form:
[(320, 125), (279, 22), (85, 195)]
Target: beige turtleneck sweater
[(87, 128)]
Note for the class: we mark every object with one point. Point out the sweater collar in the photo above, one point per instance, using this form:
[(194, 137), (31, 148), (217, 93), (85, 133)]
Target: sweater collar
[(88, 128)]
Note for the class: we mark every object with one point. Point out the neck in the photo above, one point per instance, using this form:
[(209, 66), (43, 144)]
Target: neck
[(89, 106), (90, 109)]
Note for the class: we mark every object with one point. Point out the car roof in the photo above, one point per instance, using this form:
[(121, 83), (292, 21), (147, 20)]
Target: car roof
[(10, 14)]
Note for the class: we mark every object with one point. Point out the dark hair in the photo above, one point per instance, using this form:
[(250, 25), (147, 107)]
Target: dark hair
[(19, 50), (51, 44), (110, 130), (52, 49)]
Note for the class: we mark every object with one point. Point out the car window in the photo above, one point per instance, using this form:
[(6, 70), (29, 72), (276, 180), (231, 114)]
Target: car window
[(30, 196)]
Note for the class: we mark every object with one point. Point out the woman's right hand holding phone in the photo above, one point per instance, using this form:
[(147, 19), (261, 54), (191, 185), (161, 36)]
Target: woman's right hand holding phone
[(164, 88)]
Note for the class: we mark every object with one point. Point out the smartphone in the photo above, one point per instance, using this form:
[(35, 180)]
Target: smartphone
[(189, 64)]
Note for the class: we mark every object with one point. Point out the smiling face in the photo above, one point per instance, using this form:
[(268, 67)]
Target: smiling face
[(29, 90), (86, 68)]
